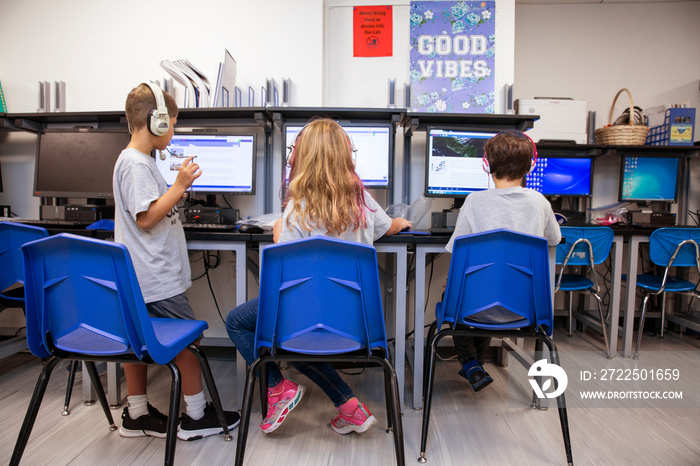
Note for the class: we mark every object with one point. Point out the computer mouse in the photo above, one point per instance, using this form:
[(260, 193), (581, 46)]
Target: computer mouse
[(244, 228)]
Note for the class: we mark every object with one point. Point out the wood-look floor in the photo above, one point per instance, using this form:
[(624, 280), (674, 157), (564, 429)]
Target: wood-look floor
[(492, 427)]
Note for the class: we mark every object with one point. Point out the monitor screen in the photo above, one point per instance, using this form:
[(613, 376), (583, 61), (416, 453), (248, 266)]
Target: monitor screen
[(554, 176), (227, 161), (374, 144), (77, 163), (650, 179), (454, 165)]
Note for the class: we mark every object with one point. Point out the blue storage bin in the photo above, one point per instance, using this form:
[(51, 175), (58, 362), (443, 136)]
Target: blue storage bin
[(678, 129)]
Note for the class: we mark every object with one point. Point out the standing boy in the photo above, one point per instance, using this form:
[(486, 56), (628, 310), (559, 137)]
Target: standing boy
[(508, 157), (148, 224)]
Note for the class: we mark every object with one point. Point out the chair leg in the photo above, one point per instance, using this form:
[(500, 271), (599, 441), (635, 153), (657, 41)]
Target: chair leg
[(428, 391), (72, 369), (263, 389), (536, 402), (432, 330), (33, 409), (561, 400), (602, 325), (571, 314), (388, 398), (99, 389), (173, 413), (391, 389), (663, 313), (245, 413), (211, 388), (641, 326)]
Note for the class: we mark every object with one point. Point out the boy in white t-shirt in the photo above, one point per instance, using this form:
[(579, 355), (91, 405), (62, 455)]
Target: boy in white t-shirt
[(508, 156)]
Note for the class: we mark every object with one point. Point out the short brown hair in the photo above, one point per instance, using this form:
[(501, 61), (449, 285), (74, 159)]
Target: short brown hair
[(141, 102), (509, 154)]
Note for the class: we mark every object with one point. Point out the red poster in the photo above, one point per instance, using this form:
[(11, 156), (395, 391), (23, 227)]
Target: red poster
[(372, 31)]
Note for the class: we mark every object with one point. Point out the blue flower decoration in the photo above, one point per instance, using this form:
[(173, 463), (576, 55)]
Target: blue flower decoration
[(457, 27), (416, 19), (473, 18)]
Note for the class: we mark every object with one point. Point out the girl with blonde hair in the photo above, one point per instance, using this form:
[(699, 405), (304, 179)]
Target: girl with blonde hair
[(324, 197)]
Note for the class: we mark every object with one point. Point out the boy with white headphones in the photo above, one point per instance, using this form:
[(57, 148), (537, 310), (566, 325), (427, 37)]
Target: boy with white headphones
[(508, 157), (148, 224)]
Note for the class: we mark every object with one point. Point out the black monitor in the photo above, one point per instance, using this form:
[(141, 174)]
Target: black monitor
[(454, 162), (374, 143), (649, 179), (561, 176), (227, 161), (77, 163)]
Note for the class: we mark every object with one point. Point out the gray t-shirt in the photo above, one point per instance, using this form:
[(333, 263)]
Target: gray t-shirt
[(518, 209), (159, 254), (378, 223)]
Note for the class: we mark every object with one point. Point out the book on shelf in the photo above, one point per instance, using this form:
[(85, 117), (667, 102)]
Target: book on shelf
[(3, 105)]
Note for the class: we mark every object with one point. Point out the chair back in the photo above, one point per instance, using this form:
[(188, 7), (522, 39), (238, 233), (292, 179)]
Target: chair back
[(12, 237), (664, 245), (82, 296), (597, 244), (320, 295), (498, 280)]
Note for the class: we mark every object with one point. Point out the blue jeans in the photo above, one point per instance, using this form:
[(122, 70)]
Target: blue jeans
[(240, 326)]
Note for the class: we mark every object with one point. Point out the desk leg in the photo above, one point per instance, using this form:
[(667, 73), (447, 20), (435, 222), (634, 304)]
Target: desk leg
[(616, 281), (630, 300), (400, 311), (241, 288)]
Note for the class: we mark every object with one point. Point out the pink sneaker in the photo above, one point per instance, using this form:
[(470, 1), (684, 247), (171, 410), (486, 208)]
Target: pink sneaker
[(360, 421), (278, 406)]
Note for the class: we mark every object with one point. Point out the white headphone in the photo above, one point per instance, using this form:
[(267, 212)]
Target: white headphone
[(159, 119), (485, 163)]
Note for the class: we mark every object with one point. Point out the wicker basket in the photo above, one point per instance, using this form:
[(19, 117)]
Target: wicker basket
[(627, 135)]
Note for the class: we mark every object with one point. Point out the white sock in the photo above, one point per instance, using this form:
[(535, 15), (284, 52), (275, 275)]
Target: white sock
[(194, 405), (138, 405)]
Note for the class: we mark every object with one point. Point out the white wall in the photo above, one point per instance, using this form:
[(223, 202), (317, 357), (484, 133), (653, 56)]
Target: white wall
[(591, 51)]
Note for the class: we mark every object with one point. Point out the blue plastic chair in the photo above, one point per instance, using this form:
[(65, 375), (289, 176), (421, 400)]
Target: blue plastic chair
[(587, 247), (84, 302), (498, 285), (320, 301), (669, 247), (12, 237)]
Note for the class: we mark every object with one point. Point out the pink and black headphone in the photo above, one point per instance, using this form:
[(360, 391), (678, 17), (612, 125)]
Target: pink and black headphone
[(517, 134)]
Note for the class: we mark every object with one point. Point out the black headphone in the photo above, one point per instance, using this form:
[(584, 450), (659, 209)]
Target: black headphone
[(158, 122), (518, 134)]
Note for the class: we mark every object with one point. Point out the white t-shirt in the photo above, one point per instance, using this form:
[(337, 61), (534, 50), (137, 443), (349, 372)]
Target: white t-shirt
[(519, 209), (159, 255), (378, 223)]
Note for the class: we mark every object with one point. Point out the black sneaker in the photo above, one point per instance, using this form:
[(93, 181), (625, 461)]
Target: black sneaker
[(208, 425), (153, 424)]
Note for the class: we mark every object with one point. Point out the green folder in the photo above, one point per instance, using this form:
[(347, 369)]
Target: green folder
[(3, 105)]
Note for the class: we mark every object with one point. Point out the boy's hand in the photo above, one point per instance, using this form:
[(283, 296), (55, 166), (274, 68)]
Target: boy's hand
[(188, 172)]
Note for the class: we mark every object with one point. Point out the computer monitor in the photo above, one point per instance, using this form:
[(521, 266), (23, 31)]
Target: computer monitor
[(454, 162), (561, 176), (649, 179), (227, 161), (77, 163), (374, 143)]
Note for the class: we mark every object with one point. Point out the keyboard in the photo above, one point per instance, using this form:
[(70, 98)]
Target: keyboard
[(54, 223), (441, 231), (207, 227)]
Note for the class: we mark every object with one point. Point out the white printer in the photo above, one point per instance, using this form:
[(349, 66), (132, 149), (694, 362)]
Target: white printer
[(560, 119)]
